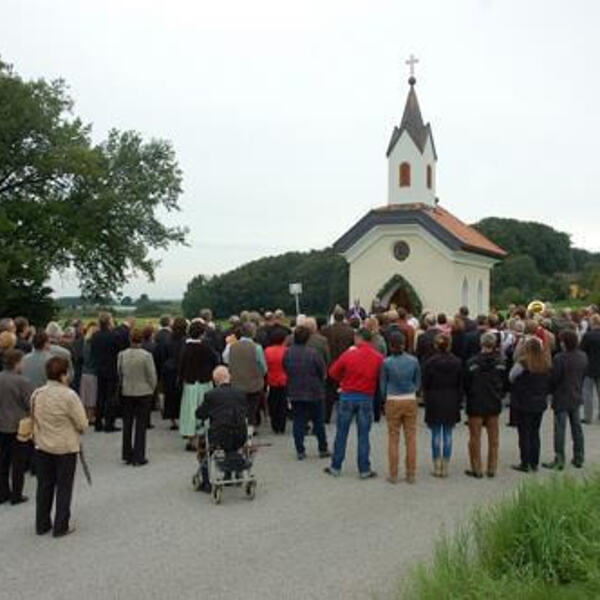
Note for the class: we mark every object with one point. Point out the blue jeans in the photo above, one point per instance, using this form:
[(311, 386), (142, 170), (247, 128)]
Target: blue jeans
[(441, 435), (304, 412), (347, 409)]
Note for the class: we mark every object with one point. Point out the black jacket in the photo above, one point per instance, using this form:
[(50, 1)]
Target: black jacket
[(226, 410), (442, 389), (485, 377), (471, 344), (104, 350), (198, 361), (590, 344), (122, 333), (425, 349), (529, 392), (566, 379)]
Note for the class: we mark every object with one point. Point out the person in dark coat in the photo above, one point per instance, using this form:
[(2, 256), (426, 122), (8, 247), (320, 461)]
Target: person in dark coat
[(340, 337), (471, 345), (530, 379), (485, 378), (442, 391), (425, 342), (122, 333), (104, 349), (15, 394), (566, 383), (226, 410), (306, 371), (198, 361), (170, 365), (590, 344), (458, 335)]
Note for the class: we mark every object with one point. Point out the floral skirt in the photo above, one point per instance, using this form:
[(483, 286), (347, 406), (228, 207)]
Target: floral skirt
[(191, 399)]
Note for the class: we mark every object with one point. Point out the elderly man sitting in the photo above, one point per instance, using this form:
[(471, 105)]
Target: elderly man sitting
[(225, 408)]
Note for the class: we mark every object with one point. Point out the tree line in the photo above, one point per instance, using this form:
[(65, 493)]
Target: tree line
[(542, 263)]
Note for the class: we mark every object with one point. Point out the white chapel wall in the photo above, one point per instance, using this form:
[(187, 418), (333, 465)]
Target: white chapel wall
[(428, 270)]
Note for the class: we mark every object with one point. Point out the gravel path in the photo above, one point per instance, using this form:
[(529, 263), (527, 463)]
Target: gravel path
[(144, 533)]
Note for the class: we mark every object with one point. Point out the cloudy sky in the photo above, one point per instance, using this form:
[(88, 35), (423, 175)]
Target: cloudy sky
[(280, 112)]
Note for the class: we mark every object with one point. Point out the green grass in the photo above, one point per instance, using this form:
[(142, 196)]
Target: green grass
[(543, 543)]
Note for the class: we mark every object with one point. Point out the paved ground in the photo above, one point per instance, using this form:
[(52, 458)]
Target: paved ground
[(144, 533)]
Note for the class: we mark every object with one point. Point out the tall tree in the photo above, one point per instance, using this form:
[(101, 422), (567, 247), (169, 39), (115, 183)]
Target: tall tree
[(66, 203)]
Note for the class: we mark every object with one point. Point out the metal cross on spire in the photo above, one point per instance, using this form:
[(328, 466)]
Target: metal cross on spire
[(411, 62)]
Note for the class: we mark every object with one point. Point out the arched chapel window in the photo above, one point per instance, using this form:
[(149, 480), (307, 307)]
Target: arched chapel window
[(464, 295), (480, 308), (429, 177), (404, 174)]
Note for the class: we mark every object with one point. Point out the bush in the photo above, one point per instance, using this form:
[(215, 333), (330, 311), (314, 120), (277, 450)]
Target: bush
[(544, 543)]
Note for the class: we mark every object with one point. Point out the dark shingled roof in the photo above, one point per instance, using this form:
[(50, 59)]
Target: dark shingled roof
[(444, 226), (412, 123)]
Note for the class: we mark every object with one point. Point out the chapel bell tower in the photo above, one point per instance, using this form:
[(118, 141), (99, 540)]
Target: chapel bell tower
[(411, 154)]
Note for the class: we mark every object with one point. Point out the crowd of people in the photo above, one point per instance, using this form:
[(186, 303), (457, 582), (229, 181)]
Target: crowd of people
[(56, 382)]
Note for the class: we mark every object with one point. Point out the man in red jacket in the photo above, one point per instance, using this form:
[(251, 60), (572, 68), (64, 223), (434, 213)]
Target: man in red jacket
[(357, 371)]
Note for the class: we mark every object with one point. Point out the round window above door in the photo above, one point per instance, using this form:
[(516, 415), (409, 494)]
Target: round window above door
[(401, 250)]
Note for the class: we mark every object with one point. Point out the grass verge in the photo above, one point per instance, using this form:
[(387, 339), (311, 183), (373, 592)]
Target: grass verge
[(542, 543)]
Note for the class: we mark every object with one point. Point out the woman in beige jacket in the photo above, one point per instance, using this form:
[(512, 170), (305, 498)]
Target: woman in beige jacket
[(59, 420)]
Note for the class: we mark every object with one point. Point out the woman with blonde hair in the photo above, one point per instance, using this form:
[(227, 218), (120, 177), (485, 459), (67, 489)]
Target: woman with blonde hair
[(8, 341), (530, 379), (88, 388)]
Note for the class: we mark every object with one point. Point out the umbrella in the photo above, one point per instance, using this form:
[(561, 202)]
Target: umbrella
[(84, 466)]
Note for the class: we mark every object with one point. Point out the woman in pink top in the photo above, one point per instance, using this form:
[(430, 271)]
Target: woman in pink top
[(277, 380)]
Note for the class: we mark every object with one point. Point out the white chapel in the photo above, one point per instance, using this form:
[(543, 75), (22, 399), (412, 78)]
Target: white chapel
[(411, 252)]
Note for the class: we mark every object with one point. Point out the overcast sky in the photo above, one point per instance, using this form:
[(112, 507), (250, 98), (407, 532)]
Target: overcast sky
[(280, 112)]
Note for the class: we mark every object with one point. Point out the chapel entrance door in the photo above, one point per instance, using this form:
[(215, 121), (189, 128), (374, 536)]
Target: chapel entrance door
[(401, 298)]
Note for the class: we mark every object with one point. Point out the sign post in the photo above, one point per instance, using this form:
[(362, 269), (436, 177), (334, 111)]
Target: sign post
[(296, 290)]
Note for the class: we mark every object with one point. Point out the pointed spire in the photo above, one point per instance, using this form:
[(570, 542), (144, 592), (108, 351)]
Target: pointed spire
[(412, 120)]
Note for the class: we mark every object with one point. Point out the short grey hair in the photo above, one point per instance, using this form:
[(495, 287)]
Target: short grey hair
[(221, 375), (311, 324), (430, 319), (488, 340), (54, 330)]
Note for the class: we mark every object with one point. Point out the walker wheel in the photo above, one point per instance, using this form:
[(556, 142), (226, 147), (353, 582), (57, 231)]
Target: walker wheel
[(251, 490), (217, 494)]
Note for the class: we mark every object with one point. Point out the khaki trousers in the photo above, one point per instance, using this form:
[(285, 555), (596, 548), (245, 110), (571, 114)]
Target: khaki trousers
[(402, 414), (476, 424)]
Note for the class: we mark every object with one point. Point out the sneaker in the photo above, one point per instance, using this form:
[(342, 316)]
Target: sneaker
[(325, 454), (578, 464), (331, 471), (491, 474), (301, 456), (370, 475)]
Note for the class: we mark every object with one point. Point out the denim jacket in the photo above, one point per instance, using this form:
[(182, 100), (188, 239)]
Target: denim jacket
[(400, 375)]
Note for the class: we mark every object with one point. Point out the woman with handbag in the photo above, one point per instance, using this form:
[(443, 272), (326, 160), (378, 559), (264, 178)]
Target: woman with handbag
[(15, 394), (58, 422)]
